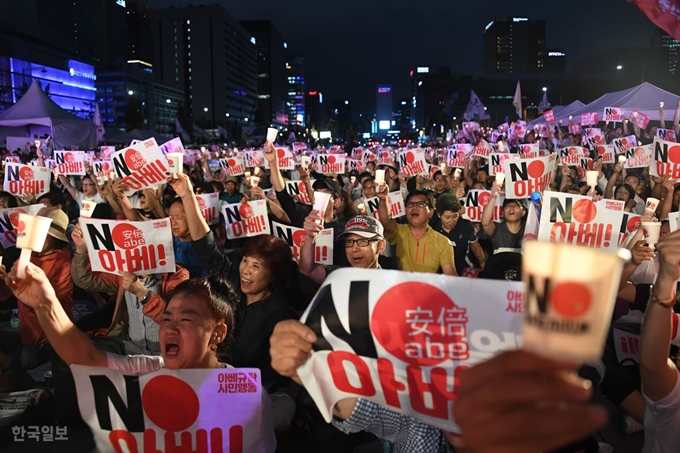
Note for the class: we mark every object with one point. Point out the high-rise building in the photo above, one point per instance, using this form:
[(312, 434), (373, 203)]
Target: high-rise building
[(315, 114), (139, 35), (272, 85), (673, 46), (556, 61), (384, 107), (514, 45), (211, 57), (295, 69), (402, 115), (340, 119)]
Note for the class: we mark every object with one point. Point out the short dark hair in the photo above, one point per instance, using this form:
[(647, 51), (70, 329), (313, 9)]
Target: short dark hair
[(274, 252), (634, 175), (56, 198), (11, 199), (628, 188), (447, 202), (421, 193), (103, 211)]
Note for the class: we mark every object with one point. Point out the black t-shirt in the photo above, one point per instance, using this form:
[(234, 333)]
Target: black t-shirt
[(462, 235)]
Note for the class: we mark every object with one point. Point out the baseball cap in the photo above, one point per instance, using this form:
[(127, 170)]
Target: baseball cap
[(327, 183), (231, 179), (363, 226), (519, 203), (59, 222)]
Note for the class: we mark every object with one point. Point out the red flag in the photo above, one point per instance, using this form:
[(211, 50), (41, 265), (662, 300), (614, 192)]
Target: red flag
[(664, 13)]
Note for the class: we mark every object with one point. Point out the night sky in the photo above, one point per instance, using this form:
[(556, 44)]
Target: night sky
[(353, 45)]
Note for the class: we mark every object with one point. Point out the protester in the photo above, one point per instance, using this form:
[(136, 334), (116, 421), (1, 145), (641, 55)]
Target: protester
[(460, 232)]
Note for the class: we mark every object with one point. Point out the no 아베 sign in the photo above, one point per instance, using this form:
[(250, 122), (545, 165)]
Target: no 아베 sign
[(404, 342), (142, 165), (22, 179)]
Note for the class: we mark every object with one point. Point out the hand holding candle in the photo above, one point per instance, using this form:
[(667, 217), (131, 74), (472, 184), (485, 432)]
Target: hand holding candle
[(31, 235)]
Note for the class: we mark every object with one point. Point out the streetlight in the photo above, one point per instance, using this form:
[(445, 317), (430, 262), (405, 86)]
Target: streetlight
[(245, 119), (545, 89), (205, 109), (227, 115), (168, 101), (131, 92), (619, 67)]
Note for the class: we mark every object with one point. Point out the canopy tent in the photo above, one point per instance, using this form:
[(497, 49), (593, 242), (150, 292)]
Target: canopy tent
[(560, 111), (35, 112), (644, 98)]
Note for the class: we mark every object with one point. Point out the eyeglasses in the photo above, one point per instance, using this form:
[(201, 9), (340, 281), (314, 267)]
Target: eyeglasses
[(418, 204), (369, 187), (349, 243)]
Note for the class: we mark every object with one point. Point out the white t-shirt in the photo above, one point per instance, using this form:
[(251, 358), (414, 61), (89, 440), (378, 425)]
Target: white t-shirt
[(662, 420), (80, 197)]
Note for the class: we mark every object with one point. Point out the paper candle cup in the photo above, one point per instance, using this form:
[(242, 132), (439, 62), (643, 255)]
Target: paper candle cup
[(442, 168), (112, 175), (568, 308), (304, 161), (380, 177), (651, 204), (622, 160), (361, 207), (271, 134), (31, 235), (651, 232), (456, 173), (591, 178), (175, 161), (247, 175), (321, 200), (203, 149), (254, 181), (500, 177)]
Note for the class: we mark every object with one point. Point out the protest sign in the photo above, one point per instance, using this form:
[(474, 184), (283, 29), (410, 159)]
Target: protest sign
[(589, 119), (570, 156), (638, 157), (87, 208), (167, 410), (330, 164), (476, 201), (368, 156), (9, 221), (529, 150), (674, 220), (355, 164), (385, 157), (142, 165), (401, 339), (496, 162), (666, 134), (22, 179), (471, 126), (549, 116), (577, 220), (665, 159), (457, 154), (395, 204), (244, 220), (208, 204), (254, 159), (173, 146), (286, 159), (298, 190), (69, 162), (526, 176), (233, 166), (623, 144), (431, 170), (614, 114), (13, 405), (639, 119), (591, 137), (483, 149), (105, 152), (115, 246), (357, 153), (607, 153), (102, 169), (296, 237), (629, 224), (412, 162), (574, 128)]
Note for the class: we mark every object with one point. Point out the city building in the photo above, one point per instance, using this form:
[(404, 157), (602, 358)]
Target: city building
[(139, 35), (514, 45), (402, 116), (272, 84), (437, 96), (207, 54), (673, 46), (339, 118), (315, 118), (384, 106), (556, 61), (295, 105)]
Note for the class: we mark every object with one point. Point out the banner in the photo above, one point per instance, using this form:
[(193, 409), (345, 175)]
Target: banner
[(169, 409), (254, 159), (570, 156), (244, 220), (483, 149), (330, 164), (589, 119), (666, 134), (173, 146), (142, 165), (549, 116), (208, 204), (665, 14), (69, 162), (296, 237), (9, 220), (639, 119), (639, 157), (115, 246), (298, 190), (629, 224), (476, 201), (457, 154), (574, 128), (22, 179), (496, 162), (233, 166), (400, 340), (526, 176), (412, 162), (614, 114), (577, 220), (666, 159)]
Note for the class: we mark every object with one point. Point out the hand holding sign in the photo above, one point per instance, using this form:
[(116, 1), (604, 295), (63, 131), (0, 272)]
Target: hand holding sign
[(34, 289), (291, 343)]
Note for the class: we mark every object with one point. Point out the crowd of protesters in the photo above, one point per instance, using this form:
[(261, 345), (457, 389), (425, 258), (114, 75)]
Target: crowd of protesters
[(246, 295)]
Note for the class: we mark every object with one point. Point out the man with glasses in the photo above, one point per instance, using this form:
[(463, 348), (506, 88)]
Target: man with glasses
[(89, 193), (368, 187), (419, 247)]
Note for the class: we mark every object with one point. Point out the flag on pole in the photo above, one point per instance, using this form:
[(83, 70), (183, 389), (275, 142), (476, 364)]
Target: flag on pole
[(180, 130), (97, 120), (475, 108), (517, 102), (664, 13), (544, 105), (223, 132), (198, 132)]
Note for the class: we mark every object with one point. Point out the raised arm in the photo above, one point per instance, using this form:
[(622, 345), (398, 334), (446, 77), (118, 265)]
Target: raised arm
[(388, 223), (68, 186), (488, 224), (611, 183), (316, 272), (275, 176), (198, 227)]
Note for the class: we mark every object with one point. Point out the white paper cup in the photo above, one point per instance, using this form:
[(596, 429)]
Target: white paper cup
[(203, 149), (591, 178), (379, 177), (247, 174), (442, 168), (31, 235), (500, 177), (622, 159), (570, 296), (112, 175), (651, 232), (321, 200), (651, 204), (271, 134), (175, 161), (456, 173), (254, 181), (305, 161)]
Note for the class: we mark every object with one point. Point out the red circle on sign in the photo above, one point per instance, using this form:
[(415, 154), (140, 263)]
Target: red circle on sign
[(624, 141), (69, 157), (231, 162), (597, 139), (674, 154), (413, 321), (601, 150), (134, 159), (21, 227), (484, 198), (201, 203), (331, 160), (385, 154), (570, 299), (14, 216), (299, 237), (26, 174), (245, 210), (590, 164), (639, 152), (536, 169), (573, 151), (126, 236), (170, 403), (410, 157), (584, 211), (633, 224), (281, 153), (460, 155), (105, 166)]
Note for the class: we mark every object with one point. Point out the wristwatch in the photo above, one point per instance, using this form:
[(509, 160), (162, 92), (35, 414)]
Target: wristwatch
[(146, 298), (666, 303)]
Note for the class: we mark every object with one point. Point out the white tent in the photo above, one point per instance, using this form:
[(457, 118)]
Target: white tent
[(35, 112), (561, 112), (644, 98)]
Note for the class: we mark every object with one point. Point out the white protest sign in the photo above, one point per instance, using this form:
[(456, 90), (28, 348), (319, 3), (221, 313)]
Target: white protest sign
[(592, 137), (115, 246), (607, 153), (526, 176), (102, 169), (22, 179), (483, 149), (69, 162), (296, 237), (623, 144), (105, 152), (208, 204), (368, 156), (87, 208), (589, 119), (629, 224), (476, 201), (142, 165), (496, 162), (666, 134), (254, 159), (355, 164), (638, 157), (298, 190), (627, 346), (385, 157), (9, 220), (169, 409), (286, 159), (614, 114), (471, 126), (665, 159), (244, 220), (412, 162), (330, 164), (233, 166), (570, 156), (457, 154), (577, 220), (639, 119), (401, 339), (529, 150), (173, 146), (395, 203)]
